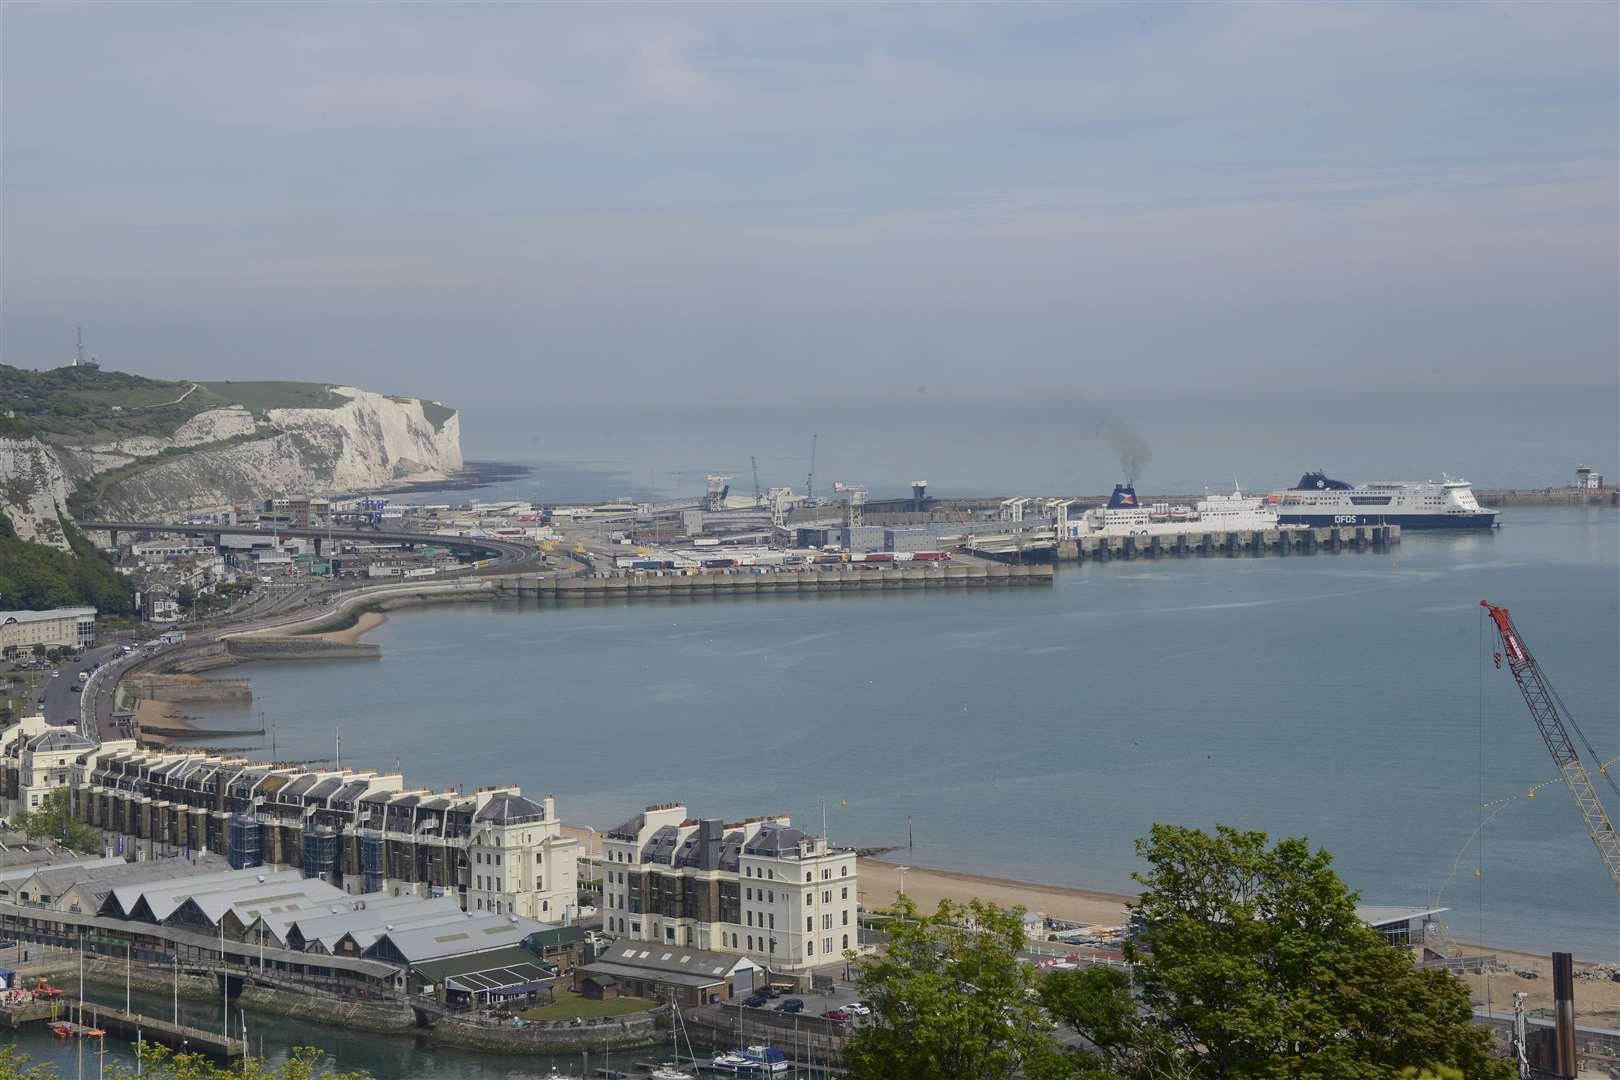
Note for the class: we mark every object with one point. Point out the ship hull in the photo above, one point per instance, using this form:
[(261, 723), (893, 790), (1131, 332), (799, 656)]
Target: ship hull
[(1405, 521)]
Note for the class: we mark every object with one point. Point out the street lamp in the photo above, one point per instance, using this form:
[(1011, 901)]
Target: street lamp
[(902, 870)]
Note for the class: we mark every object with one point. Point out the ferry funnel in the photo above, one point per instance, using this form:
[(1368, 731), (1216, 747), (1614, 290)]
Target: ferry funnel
[(1123, 498)]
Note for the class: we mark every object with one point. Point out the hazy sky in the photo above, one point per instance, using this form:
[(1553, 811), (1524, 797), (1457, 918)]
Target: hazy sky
[(678, 204)]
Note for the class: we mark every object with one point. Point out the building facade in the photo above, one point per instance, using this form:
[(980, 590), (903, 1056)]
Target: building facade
[(36, 758), (759, 888), (74, 628), (493, 850)]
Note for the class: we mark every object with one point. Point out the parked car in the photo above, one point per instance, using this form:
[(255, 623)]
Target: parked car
[(773, 991), (755, 1001), (791, 1005), (858, 1008), (836, 1014)]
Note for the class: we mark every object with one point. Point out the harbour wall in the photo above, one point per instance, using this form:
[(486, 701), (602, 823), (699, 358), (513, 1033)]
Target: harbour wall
[(1244, 542), (629, 587), (1566, 496)]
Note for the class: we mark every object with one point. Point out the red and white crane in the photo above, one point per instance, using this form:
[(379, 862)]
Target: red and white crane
[(1554, 721)]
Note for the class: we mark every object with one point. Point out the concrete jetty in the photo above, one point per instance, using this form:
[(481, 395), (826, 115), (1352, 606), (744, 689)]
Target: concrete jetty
[(779, 582), (1245, 542)]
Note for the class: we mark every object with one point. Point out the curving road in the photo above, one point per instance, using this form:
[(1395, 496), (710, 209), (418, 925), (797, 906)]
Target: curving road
[(508, 556)]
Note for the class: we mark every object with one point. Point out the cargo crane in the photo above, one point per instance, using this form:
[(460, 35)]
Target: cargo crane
[(810, 481), (1550, 714)]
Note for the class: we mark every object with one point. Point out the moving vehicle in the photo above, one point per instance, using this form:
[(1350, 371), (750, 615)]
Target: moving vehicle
[(1319, 500)]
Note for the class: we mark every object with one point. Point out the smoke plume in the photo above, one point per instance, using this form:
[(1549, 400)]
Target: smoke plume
[(1101, 422)]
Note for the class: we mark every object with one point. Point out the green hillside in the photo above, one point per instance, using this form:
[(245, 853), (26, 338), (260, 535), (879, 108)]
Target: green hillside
[(85, 405)]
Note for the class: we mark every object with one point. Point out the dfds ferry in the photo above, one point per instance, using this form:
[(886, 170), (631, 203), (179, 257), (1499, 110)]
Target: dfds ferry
[(1318, 500)]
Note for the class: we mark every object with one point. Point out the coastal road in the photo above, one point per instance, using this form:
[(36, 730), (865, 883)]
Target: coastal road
[(61, 698), (508, 557)]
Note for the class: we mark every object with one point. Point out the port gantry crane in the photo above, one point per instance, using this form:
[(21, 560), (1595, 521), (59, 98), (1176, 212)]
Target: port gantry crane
[(1550, 713)]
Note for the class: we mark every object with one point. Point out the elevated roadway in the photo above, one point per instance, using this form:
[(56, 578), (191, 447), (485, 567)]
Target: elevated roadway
[(507, 555)]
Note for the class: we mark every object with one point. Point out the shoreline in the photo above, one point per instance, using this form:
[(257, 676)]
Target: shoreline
[(365, 622)]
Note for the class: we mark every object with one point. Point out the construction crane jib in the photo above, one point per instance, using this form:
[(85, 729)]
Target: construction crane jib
[(1550, 715)]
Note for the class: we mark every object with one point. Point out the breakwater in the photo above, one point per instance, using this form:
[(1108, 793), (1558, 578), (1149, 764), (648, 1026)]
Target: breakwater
[(1244, 542), (743, 583), (1564, 496)]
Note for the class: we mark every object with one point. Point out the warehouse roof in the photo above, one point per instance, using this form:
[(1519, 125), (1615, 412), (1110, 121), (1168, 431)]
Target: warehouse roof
[(513, 969), (476, 934), (161, 899), (638, 958)]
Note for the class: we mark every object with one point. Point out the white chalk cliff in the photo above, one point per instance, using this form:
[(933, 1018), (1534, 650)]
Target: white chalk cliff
[(226, 456)]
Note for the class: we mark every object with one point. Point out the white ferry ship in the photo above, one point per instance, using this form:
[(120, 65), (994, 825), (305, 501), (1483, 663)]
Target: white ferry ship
[(1125, 516), (1318, 500)]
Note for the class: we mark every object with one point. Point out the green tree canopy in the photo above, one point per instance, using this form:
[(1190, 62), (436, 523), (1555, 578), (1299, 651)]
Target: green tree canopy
[(160, 1063), (54, 820), (1254, 959), (948, 998)]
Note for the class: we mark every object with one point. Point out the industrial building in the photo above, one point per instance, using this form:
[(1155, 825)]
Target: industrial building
[(692, 977), (72, 628), (759, 888), (281, 924), (493, 851)]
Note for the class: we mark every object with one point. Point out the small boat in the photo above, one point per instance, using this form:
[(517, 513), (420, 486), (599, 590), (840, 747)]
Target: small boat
[(769, 1059), (670, 1071), (738, 1063)]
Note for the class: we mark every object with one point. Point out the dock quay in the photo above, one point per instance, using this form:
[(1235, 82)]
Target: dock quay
[(106, 1019), (1042, 545), (855, 579)]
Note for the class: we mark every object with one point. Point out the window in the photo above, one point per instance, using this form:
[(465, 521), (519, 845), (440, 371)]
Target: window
[(539, 884), (826, 922), (843, 871), (826, 944), (750, 916), (809, 922), (773, 922), (846, 940), (772, 896), (809, 948), (749, 870), (826, 896), (480, 904), (545, 905), (807, 876), (771, 874), (669, 933), (748, 893), (750, 942), (825, 873), (846, 916), (845, 893)]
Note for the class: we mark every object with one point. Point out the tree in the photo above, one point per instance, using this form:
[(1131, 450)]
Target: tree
[(1253, 958), (185, 596), (54, 820), (948, 998), (161, 1063)]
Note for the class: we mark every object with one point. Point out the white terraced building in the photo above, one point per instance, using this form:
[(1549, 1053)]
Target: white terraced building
[(759, 888)]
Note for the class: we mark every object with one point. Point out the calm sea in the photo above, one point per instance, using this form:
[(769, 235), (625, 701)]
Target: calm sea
[(1037, 733)]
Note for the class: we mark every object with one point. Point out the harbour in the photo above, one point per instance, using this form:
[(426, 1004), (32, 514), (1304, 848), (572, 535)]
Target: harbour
[(1249, 733)]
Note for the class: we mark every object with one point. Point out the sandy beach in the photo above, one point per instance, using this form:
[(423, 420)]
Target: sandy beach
[(351, 635), (880, 883)]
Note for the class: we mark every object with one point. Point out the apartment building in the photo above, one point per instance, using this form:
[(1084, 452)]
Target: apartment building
[(759, 888), (36, 758), (493, 850)]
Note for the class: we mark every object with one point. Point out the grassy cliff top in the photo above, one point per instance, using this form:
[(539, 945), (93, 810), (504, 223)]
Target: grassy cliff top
[(87, 405)]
